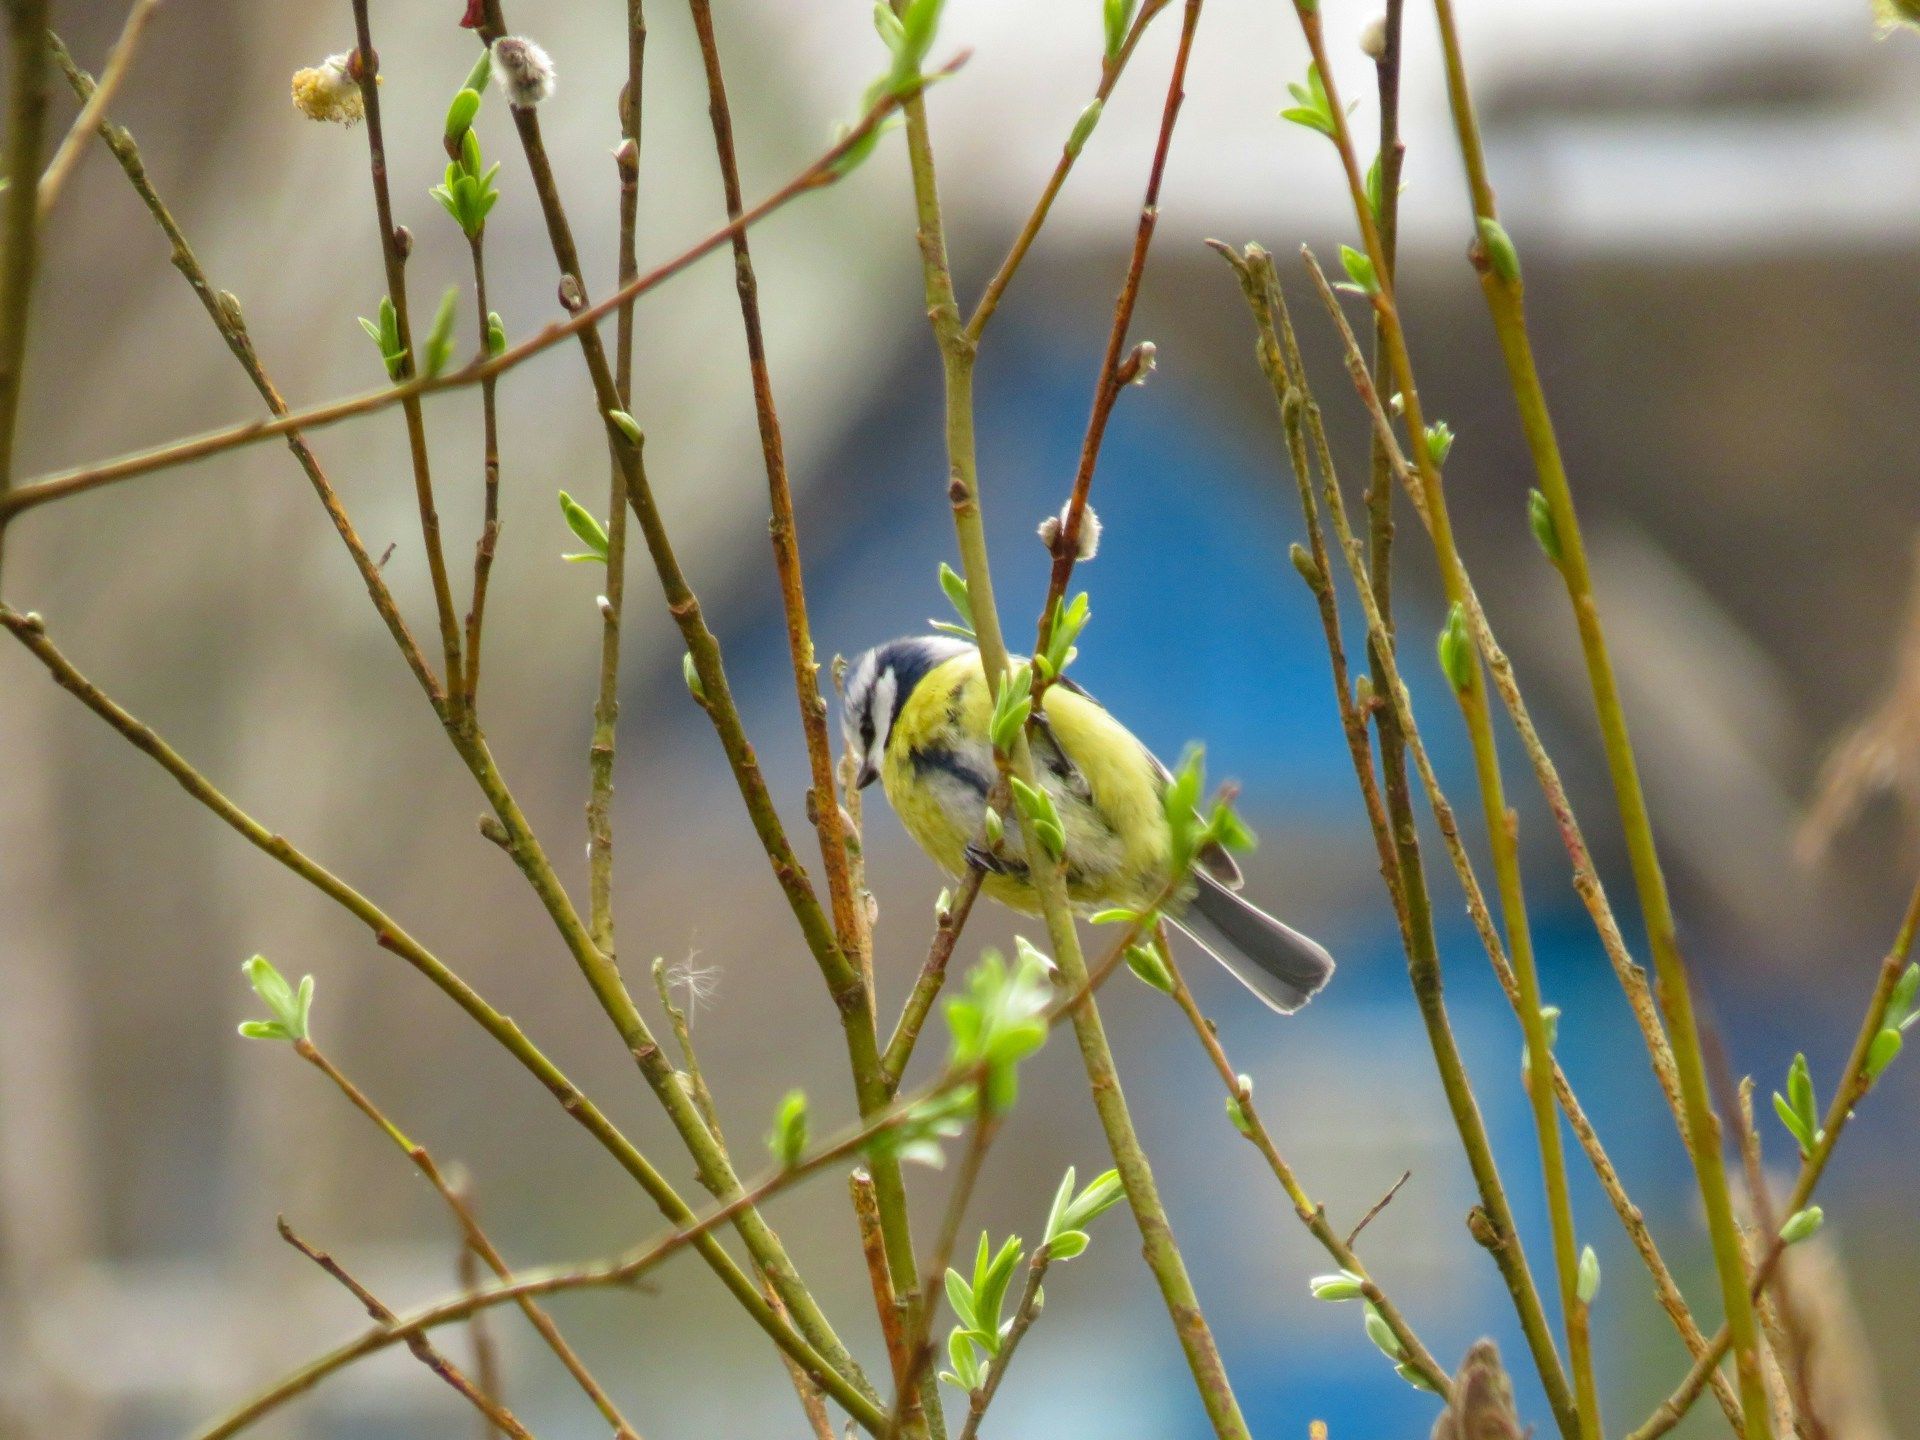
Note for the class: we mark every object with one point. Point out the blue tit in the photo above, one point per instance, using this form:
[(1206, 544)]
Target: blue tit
[(917, 713)]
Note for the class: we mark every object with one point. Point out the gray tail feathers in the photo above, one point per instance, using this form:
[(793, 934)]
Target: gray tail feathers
[(1279, 964)]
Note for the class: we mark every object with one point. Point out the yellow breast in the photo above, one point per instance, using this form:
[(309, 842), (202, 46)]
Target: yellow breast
[(1106, 790)]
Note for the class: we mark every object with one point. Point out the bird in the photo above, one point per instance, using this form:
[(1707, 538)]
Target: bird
[(916, 711)]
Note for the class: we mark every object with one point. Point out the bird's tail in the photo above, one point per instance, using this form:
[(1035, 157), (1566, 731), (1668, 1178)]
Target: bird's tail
[(1279, 964)]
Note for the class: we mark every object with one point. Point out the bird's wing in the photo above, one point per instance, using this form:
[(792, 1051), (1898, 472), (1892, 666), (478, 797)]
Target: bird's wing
[(1214, 858)]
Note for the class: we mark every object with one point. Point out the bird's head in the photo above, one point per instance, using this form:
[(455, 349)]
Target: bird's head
[(877, 686)]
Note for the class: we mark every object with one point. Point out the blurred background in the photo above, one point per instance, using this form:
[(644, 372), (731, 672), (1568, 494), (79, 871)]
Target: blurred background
[(1718, 204)]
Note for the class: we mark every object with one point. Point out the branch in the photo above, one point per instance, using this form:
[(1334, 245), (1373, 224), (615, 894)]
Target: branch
[(816, 176), (1313, 1216), (1279, 354), (19, 234), (1397, 718), (474, 1240), (957, 352), (1853, 1087), (223, 309), (93, 113), (31, 632), (365, 67), (627, 1268), (501, 1418), (1501, 282)]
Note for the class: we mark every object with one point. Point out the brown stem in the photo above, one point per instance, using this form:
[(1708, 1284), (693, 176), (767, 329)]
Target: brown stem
[(821, 173), (1853, 1087), (1117, 369), (31, 632), (490, 476), (19, 218), (496, 1414), (223, 309), (366, 70), (475, 1241)]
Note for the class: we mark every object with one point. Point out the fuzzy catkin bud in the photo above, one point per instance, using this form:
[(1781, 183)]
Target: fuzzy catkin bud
[(523, 70), (328, 91), (1051, 529), (1373, 39)]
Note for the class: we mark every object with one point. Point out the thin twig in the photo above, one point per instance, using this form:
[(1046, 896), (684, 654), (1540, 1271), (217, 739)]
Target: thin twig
[(489, 540), (19, 217), (1373, 1211), (486, 1355), (497, 1415), (393, 253), (474, 1240), (933, 974), (1024, 1314), (1313, 1216), (94, 111), (1110, 72), (818, 175), (1853, 1087), (31, 632), (223, 309), (810, 1398), (1118, 369)]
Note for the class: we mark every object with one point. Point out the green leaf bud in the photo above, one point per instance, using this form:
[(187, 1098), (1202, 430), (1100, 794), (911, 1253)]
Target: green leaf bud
[(1587, 1280), (1083, 127), (1456, 650), (1802, 1225), (1497, 246), (1344, 1285), (1540, 518), (627, 426), (1882, 1052), (1145, 962), (788, 1141)]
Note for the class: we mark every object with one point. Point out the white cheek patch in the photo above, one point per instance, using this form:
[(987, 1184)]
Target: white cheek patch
[(886, 691)]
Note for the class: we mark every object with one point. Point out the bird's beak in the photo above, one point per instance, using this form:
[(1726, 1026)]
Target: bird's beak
[(869, 773)]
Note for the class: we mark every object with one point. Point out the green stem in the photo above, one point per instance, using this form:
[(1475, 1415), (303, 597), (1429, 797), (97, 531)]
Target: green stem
[(30, 631), (1300, 416), (1852, 1089), (393, 256), (223, 309), (19, 223), (1505, 301), (957, 351), (843, 981), (476, 1241)]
